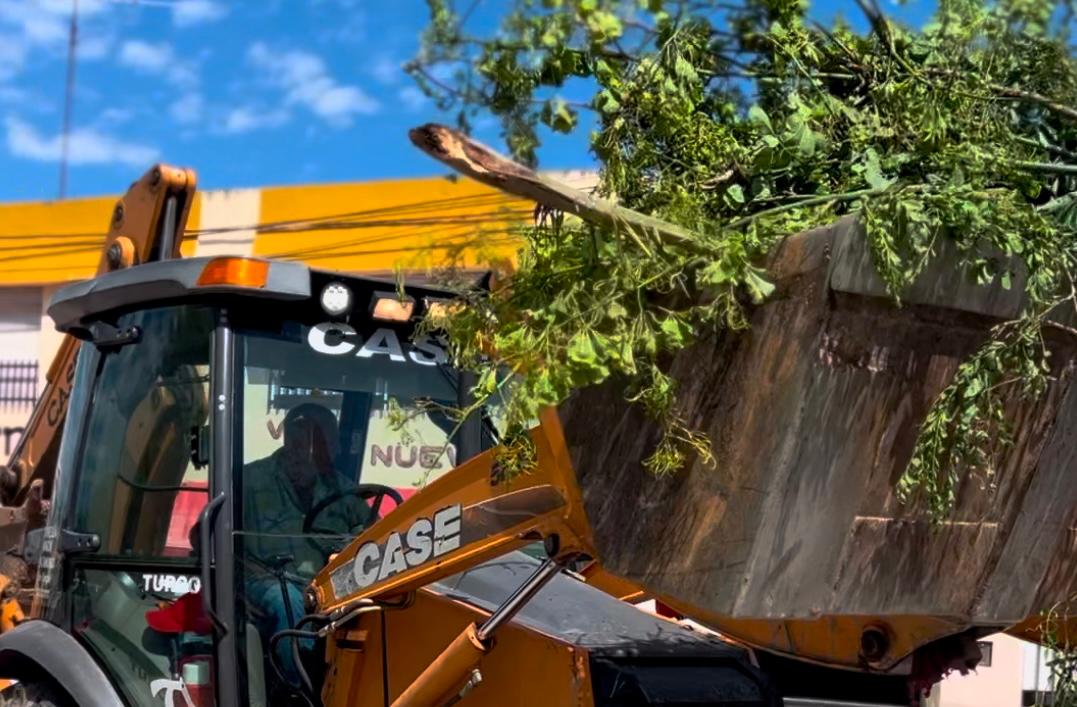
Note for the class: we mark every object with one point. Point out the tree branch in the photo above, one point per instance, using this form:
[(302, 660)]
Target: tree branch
[(811, 201), (1048, 167), (473, 159), (1046, 102)]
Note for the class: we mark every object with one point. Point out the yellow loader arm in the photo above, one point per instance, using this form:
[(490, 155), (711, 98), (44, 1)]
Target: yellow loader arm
[(462, 519), (147, 224)]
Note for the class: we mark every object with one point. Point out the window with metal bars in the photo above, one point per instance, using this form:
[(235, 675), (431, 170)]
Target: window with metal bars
[(18, 384)]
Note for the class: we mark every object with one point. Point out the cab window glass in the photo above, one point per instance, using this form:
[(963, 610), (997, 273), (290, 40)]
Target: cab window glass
[(321, 417), (134, 623), (137, 486)]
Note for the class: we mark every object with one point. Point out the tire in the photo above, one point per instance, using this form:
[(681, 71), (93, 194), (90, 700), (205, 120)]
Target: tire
[(35, 694)]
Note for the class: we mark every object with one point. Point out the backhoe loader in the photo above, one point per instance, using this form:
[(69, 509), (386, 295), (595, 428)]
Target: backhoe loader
[(204, 400), (205, 532)]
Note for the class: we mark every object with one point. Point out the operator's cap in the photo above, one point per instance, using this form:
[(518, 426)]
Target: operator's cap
[(183, 615)]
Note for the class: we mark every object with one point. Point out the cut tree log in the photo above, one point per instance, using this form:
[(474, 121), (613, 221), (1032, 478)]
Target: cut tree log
[(475, 160), (797, 541)]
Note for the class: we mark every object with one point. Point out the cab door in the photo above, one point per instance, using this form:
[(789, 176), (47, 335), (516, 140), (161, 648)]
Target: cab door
[(126, 577)]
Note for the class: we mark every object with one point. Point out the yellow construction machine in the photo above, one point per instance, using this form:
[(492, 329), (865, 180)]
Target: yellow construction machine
[(200, 515), (199, 523)]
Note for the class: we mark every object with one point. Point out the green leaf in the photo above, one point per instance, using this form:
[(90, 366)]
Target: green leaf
[(759, 288), (604, 25), (606, 103), (684, 69), (559, 116), (581, 349), (873, 174), (806, 141), (735, 195), (675, 331), (759, 116)]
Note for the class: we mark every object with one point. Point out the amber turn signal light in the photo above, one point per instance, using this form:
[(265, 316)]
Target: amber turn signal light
[(241, 272)]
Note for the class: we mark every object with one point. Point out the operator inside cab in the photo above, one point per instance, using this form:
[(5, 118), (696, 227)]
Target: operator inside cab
[(281, 492)]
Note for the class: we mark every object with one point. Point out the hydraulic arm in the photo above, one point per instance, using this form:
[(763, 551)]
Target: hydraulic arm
[(147, 224), (459, 521)]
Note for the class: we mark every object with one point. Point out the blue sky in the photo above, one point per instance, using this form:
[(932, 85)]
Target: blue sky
[(248, 93)]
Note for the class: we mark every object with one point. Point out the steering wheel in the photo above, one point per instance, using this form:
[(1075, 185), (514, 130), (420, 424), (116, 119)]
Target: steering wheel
[(364, 492)]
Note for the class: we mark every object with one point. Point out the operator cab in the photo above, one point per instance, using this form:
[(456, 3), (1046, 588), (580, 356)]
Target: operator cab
[(234, 423)]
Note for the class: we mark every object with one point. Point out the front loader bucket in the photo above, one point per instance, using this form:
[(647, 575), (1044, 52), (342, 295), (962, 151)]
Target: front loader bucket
[(796, 541)]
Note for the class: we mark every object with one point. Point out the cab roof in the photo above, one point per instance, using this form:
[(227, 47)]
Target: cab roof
[(185, 280)]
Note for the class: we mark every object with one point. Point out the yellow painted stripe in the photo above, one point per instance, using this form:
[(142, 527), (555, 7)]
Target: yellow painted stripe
[(189, 244), (52, 241), (413, 224)]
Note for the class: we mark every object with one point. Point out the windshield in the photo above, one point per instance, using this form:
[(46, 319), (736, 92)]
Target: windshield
[(338, 427)]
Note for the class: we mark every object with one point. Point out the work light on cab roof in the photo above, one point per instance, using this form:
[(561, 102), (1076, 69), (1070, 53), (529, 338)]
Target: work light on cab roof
[(336, 299), (389, 307)]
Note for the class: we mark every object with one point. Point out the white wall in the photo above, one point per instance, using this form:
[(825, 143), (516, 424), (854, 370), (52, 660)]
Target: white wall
[(20, 328), (20, 322), (998, 685)]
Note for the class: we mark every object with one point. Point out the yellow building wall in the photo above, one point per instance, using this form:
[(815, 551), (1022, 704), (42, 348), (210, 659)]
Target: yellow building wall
[(372, 227), (379, 226)]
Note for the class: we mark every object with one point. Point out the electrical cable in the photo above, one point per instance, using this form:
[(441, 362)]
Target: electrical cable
[(338, 220)]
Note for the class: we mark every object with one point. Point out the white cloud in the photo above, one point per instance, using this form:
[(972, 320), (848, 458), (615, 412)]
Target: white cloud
[(86, 146), (33, 26), (387, 71), (157, 59), (411, 98), (145, 56), (12, 56), (247, 118), (187, 13), (305, 81), (188, 108), (35, 23), (45, 22), (114, 116), (92, 48)]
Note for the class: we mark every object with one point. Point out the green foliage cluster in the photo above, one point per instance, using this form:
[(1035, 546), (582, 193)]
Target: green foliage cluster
[(744, 122), (1056, 633)]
